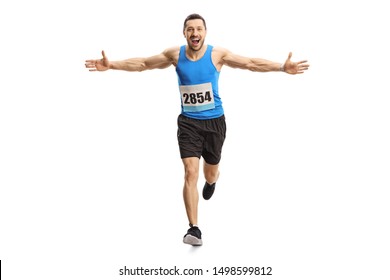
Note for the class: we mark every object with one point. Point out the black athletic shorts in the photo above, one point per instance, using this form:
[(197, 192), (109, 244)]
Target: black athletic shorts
[(201, 138)]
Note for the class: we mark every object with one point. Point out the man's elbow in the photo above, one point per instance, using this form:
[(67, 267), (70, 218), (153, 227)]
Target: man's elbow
[(142, 67)]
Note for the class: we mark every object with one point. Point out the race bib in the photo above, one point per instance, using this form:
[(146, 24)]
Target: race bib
[(197, 98)]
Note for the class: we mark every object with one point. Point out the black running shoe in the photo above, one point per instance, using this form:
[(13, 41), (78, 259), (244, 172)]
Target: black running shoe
[(208, 190), (193, 237)]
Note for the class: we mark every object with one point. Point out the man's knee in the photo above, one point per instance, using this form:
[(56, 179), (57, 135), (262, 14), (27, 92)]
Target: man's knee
[(191, 170), (191, 173), (211, 173)]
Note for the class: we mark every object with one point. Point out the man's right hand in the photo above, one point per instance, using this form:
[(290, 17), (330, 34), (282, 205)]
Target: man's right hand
[(98, 64)]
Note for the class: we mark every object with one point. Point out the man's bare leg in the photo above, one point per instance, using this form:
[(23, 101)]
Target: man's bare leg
[(211, 172), (191, 199), (190, 190)]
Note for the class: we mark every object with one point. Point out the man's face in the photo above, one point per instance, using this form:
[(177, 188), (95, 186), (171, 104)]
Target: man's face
[(195, 34)]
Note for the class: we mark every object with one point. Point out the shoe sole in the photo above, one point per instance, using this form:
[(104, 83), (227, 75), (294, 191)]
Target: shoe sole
[(192, 240)]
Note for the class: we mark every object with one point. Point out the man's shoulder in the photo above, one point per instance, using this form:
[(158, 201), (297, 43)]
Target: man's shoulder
[(218, 53), (172, 54)]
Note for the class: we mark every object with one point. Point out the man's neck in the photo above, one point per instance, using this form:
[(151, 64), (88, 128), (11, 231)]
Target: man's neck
[(195, 55)]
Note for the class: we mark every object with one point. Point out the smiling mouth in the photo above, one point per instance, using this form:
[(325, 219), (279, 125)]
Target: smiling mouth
[(195, 41)]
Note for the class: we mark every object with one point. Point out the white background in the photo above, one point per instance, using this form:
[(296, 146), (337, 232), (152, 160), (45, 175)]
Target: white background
[(90, 172)]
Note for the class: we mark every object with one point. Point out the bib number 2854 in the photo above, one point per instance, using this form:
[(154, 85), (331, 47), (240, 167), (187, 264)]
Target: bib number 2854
[(197, 98)]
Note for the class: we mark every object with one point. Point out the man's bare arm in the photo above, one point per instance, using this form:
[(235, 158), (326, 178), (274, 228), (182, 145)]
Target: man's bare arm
[(261, 65), (252, 64), (160, 61)]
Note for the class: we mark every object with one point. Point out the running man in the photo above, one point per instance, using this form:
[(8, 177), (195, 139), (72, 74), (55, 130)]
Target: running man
[(201, 124)]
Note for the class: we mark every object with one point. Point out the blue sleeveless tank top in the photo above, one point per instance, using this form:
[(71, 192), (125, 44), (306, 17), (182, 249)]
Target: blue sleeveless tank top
[(198, 85)]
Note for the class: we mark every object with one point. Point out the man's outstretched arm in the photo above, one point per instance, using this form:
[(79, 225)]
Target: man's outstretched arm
[(263, 65), (160, 61)]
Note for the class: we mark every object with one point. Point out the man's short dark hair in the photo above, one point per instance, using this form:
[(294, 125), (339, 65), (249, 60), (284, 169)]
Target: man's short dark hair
[(194, 16)]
